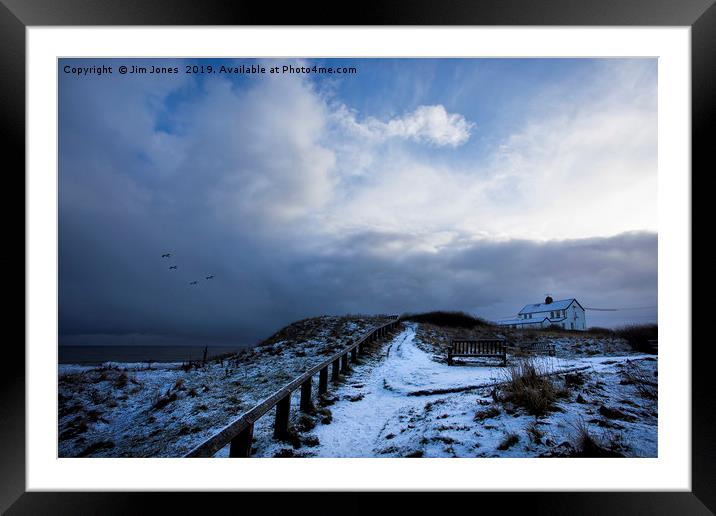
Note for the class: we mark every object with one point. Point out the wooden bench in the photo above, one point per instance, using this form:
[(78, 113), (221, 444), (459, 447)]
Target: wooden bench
[(540, 347), (479, 348)]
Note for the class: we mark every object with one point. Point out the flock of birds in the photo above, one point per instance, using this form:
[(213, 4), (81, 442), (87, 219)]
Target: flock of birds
[(174, 267)]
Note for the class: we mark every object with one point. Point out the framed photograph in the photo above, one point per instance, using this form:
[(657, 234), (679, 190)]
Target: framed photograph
[(418, 250)]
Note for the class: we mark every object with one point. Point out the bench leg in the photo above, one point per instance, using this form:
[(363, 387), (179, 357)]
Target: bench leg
[(449, 359)]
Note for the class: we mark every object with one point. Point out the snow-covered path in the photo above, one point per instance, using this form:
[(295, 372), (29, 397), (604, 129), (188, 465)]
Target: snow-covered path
[(378, 407), (359, 428)]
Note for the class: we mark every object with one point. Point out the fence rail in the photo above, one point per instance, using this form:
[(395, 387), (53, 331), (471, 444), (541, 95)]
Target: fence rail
[(239, 433)]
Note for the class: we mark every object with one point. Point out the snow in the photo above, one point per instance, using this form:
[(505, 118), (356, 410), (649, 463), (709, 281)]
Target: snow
[(402, 399), (379, 414), (111, 410), (561, 304)]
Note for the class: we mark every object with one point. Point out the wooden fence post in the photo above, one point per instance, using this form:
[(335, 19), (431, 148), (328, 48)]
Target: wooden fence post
[(323, 381), (334, 369), (344, 363), (283, 410), (306, 405), (354, 355), (241, 444)]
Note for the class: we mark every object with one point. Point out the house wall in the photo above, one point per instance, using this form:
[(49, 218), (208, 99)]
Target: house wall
[(576, 318), (532, 325)]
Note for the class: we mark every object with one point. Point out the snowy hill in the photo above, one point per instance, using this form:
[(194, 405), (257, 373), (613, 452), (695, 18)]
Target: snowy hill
[(595, 397), (127, 410)]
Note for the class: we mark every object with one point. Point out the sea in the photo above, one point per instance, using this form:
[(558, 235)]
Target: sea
[(101, 354)]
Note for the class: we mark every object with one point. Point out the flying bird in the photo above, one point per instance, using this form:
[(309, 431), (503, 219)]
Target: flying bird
[(211, 276), (172, 267), (192, 283), (166, 255)]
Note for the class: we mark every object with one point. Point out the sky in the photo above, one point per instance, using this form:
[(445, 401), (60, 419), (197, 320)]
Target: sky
[(412, 184)]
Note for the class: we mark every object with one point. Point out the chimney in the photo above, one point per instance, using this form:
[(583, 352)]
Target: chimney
[(548, 300)]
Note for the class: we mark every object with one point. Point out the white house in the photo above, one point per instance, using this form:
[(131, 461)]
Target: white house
[(566, 313)]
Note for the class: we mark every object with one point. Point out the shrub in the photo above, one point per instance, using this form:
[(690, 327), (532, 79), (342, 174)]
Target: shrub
[(487, 413), (597, 330), (634, 374), (573, 379), (509, 441), (586, 444), (638, 335), (160, 401), (535, 433), (121, 380), (528, 386), (449, 319)]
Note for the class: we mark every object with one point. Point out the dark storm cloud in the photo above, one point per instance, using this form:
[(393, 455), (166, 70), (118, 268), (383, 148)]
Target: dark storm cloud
[(258, 289)]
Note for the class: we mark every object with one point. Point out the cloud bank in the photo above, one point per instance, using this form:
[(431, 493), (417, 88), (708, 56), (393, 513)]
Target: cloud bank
[(299, 205)]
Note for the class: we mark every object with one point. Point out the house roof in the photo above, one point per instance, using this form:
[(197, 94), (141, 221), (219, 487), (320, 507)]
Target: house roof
[(520, 321), (562, 304)]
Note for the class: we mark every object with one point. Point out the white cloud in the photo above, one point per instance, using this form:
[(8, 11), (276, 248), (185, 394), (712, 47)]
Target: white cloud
[(583, 163), (254, 155), (426, 124)]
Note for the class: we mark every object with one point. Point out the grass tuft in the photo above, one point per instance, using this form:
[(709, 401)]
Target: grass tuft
[(527, 385), (509, 441), (586, 444)]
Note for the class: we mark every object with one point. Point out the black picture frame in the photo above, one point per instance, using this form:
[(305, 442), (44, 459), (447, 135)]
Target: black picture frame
[(17, 15)]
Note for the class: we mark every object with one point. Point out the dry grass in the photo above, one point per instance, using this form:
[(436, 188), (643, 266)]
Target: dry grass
[(534, 433), (95, 447), (509, 441), (487, 413), (639, 335), (587, 444), (634, 374), (159, 400), (528, 385)]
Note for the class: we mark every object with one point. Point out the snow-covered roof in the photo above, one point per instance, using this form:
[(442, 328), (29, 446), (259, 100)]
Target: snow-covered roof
[(562, 304), (505, 322)]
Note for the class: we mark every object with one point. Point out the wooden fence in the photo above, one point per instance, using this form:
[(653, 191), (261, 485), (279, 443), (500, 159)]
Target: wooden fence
[(239, 433)]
